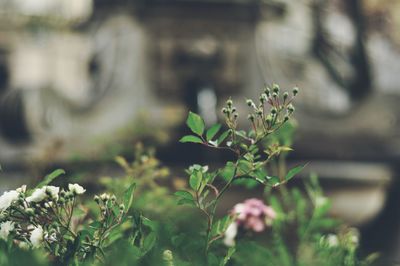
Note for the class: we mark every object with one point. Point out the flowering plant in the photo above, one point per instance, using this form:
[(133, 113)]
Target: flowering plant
[(51, 218), (272, 111), (57, 225)]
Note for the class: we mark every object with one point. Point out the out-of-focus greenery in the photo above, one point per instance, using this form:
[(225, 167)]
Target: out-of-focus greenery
[(151, 178)]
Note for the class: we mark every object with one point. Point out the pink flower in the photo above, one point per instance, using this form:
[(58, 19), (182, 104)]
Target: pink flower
[(253, 214)]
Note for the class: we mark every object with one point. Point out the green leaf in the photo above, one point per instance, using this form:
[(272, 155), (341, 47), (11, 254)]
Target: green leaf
[(294, 171), (219, 227), (273, 180), (190, 138), (186, 201), (224, 223), (195, 123), (228, 171), (95, 225), (195, 180), (241, 133), (128, 197), (212, 260), (228, 256), (50, 177), (149, 223), (212, 131), (148, 243), (244, 166), (184, 194), (223, 136)]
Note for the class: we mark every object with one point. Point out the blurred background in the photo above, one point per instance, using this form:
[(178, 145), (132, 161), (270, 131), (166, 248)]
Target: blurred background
[(82, 81)]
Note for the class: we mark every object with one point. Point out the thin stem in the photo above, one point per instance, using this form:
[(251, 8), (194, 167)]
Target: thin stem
[(214, 208)]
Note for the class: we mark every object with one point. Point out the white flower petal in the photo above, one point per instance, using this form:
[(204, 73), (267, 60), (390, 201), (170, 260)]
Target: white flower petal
[(76, 189), (7, 199), (230, 234), (36, 236), (5, 229)]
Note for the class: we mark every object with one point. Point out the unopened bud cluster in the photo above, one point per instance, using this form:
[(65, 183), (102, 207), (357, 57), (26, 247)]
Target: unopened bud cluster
[(230, 113), (272, 110), (110, 209)]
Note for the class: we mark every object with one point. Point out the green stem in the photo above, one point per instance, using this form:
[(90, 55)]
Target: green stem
[(214, 208)]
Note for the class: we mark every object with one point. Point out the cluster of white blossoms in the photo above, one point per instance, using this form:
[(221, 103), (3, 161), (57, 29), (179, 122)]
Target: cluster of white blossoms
[(34, 217)]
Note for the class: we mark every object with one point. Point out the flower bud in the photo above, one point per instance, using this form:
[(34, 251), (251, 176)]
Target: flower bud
[(235, 116), (224, 110), (104, 197), (97, 199), (30, 212), (121, 207), (259, 112), (267, 91), (274, 95), (268, 119), (69, 195), (286, 118), (295, 91), (113, 199), (290, 108), (233, 109), (275, 88), (285, 95), (249, 102), (273, 110), (250, 117), (229, 103)]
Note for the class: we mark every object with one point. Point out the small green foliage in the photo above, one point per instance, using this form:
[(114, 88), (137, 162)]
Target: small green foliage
[(50, 178), (191, 138), (212, 131), (195, 123), (294, 171), (266, 117), (128, 196), (195, 180)]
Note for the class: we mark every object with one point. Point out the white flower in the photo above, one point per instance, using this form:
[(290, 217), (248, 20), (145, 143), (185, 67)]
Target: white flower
[(36, 236), (76, 189), (41, 193), (52, 191), (38, 195), (230, 234), (5, 229), (7, 199), (21, 189)]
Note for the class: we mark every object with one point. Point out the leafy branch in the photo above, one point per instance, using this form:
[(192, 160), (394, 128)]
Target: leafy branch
[(271, 112)]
